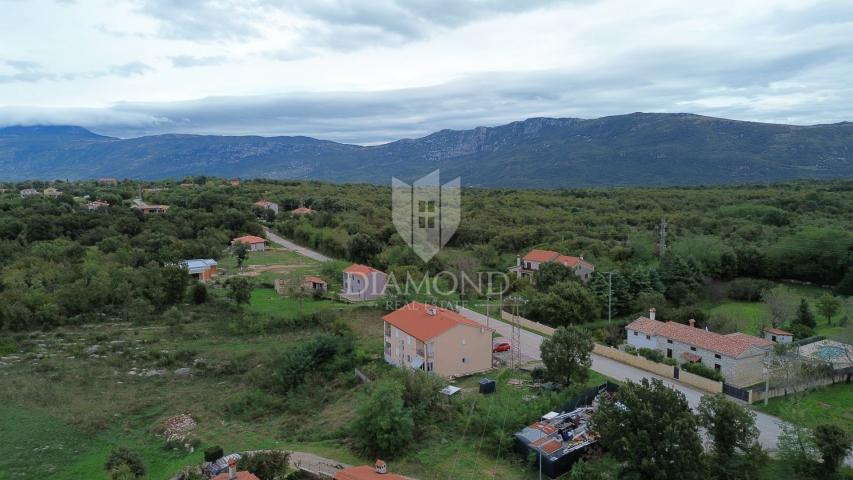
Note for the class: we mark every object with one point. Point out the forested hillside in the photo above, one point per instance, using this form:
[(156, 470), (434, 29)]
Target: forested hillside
[(636, 149)]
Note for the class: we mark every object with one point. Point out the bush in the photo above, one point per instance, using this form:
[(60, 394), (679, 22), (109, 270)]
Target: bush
[(652, 355), (121, 457), (630, 349), (748, 289), (702, 371), (199, 293), (269, 465), (669, 361), (212, 454)]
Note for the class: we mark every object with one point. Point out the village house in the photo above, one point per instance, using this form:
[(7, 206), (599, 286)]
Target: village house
[(776, 335), (361, 282), (233, 474), (235, 182), (108, 182), (436, 340), (314, 284), (200, 269), (266, 204), (52, 192), (97, 204), (302, 211), (379, 471), (147, 209), (255, 244), (737, 356), (527, 265), (29, 192)]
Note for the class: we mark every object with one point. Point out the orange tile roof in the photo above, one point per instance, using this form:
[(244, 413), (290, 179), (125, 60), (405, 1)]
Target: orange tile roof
[(416, 320), (365, 472), (750, 339), (264, 203), (301, 210), (248, 239), (314, 279), (540, 256), (777, 331), (240, 476), (645, 325), (729, 345), (361, 269)]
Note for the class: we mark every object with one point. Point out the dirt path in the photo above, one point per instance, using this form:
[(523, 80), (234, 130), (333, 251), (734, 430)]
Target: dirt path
[(273, 237)]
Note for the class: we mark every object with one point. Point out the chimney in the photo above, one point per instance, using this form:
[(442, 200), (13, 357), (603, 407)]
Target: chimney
[(232, 469), (652, 313), (381, 467), (692, 323)]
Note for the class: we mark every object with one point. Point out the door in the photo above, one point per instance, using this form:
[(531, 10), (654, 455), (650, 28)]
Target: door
[(668, 353), (675, 371)]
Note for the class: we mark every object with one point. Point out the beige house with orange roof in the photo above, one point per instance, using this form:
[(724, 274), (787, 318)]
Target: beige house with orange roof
[(436, 340), (254, 243), (737, 356), (361, 282), (525, 266)]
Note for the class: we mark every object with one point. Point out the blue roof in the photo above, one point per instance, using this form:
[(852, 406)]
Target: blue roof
[(198, 264)]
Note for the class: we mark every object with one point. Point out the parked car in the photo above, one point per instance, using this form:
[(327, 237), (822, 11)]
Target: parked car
[(502, 347)]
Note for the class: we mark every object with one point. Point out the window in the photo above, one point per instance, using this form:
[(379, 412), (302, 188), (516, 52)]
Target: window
[(717, 355), (773, 337), (717, 367), (464, 360), (693, 348), (409, 358), (635, 334), (648, 337), (408, 340), (429, 366), (668, 341)]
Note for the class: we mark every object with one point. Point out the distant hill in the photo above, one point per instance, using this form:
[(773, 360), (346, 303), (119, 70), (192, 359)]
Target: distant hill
[(635, 149)]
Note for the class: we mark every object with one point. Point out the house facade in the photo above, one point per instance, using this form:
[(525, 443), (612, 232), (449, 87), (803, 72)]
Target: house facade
[(525, 266), (97, 204), (737, 356), (151, 209), (361, 282), (52, 192), (436, 340), (254, 244), (29, 192), (108, 182), (200, 269), (777, 336), (315, 284)]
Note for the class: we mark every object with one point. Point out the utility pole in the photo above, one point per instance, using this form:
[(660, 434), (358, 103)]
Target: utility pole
[(515, 301), (663, 226), (609, 296)]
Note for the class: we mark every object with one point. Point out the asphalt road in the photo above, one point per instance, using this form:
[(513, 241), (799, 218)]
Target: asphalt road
[(768, 425), (296, 248)]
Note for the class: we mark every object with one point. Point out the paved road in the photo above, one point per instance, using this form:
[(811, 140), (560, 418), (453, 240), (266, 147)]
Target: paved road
[(296, 248), (530, 342)]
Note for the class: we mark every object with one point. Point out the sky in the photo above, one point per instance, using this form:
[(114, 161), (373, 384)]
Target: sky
[(373, 71)]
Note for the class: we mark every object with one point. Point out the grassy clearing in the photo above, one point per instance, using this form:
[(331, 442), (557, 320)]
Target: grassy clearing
[(266, 300), (828, 405), (273, 256)]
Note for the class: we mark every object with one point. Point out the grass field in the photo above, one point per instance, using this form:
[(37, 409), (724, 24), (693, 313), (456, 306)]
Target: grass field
[(266, 300), (276, 256), (829, 405)]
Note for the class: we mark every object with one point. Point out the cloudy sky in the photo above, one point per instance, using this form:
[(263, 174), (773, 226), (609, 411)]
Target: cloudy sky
[(376, 70)]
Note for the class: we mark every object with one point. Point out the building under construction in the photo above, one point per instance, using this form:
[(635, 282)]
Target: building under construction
[(563, 436)]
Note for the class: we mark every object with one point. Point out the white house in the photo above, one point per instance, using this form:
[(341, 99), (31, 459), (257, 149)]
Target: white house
[(776, 335), (361, 282), (255, 244), (530, 263), (737, 356)]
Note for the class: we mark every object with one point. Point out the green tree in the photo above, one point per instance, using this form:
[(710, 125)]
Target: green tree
[(361, 248), (241, 251), (199, 293), (736, 453), (566, 354), (805, 316), (123, 457), (845, 286), (240, 289), (566, 303), (550, 274), (828, 306), (651, 429), (833, 444), (268, 465), (383, 425)]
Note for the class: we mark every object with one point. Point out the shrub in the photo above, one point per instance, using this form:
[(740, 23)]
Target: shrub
[(669, 361), (269, 465), (199, 293), (384, 425), (212, 454), (120, 457), (702, 371), (8, 346), (652, 355), (630, 349), (748, 289)]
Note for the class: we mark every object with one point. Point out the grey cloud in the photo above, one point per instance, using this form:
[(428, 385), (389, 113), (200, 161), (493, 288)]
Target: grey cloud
[(204, 20), (127, 69)]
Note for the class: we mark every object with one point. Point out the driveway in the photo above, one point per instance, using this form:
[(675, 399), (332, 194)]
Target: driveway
[(306, 252), (768, 426)]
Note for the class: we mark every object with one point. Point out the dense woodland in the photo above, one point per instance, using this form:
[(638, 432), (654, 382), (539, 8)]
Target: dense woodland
[(61, 263)]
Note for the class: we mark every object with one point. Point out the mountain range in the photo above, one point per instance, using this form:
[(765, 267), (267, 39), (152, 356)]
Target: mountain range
[(633, 149)]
